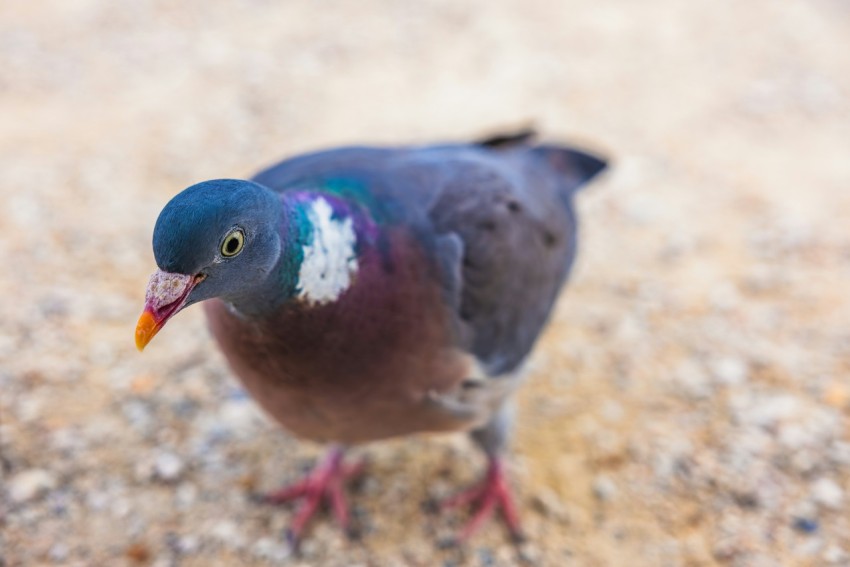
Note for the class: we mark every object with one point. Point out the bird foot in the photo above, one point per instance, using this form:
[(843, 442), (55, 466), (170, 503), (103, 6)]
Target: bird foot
[(323, 484), (485, 497)]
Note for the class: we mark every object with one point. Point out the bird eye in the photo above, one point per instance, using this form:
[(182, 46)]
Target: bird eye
[(233, 243)]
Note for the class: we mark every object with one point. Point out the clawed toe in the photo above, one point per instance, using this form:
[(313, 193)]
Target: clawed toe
[(324, 484), (491, 494)]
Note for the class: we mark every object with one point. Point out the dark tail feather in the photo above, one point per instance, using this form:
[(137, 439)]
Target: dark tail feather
[(508, 139), (577, 166)]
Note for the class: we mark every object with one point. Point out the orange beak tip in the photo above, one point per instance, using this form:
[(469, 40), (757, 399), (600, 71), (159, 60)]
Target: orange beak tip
[(146, 328)]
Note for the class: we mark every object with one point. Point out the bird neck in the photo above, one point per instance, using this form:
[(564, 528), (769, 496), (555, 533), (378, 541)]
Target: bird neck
[(319, 254)]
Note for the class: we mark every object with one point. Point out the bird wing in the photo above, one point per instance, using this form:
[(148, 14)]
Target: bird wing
[(497, 216), (508, 204)]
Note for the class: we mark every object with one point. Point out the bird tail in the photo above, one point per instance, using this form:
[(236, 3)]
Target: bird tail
[(504, 140), (576, 167)]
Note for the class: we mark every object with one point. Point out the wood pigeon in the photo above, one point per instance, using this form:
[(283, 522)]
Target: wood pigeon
[(363, 293)]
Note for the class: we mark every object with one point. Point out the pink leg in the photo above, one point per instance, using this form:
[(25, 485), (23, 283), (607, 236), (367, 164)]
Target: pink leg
[(491, 493), (323, 483)]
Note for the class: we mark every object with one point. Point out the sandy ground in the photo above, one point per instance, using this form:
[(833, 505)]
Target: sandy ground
[(689, 405)]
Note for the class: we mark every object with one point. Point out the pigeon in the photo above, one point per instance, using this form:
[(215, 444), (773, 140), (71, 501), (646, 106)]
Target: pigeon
[(364, 293)]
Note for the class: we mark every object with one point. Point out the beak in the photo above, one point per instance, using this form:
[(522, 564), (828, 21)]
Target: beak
[(166, 295)]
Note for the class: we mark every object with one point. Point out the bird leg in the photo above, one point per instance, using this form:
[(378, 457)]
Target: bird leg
[(490, 493), (323, 483)]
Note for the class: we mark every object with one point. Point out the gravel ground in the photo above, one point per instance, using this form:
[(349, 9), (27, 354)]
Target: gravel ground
[(689, 405)]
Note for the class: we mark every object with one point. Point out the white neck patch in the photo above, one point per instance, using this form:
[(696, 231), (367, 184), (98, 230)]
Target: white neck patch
[(329, 260)]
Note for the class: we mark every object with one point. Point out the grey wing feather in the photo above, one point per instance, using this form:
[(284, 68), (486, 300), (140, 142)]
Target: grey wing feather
[(512, 210)]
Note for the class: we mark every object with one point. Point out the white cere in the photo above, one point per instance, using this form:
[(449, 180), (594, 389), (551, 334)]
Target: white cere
[(165, 287)]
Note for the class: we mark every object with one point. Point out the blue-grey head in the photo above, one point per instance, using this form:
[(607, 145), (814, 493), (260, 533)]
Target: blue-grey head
[(218, 238)]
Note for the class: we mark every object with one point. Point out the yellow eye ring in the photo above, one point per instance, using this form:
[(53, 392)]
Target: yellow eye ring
[(233, 243)]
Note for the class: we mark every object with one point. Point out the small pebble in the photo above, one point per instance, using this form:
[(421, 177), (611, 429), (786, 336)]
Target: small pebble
[(485, 557), (168, 467), (139, 415), (309, 547), (188, 544), (138, 552), (30, 484), (826, 492), (691, 380), (805, 525), (271, 549), (69, 440), (227, 533), (529, 554), (29, 409), (120, 507), (767, 410), (809, 547), (59, 552), (604, 488), (186, 494), (240, 416), (839, 452), (835, 555), (729, 371), (551, 505)]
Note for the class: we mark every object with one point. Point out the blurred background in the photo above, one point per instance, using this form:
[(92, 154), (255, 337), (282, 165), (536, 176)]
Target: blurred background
[(689, 405)]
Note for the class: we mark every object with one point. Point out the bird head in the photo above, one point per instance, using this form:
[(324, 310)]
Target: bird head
[(215, 239)]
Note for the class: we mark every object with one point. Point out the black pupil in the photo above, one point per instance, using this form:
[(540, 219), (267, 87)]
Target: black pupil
[(232, 245)]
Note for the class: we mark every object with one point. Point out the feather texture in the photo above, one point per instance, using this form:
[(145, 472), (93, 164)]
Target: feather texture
[(382, 291)]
